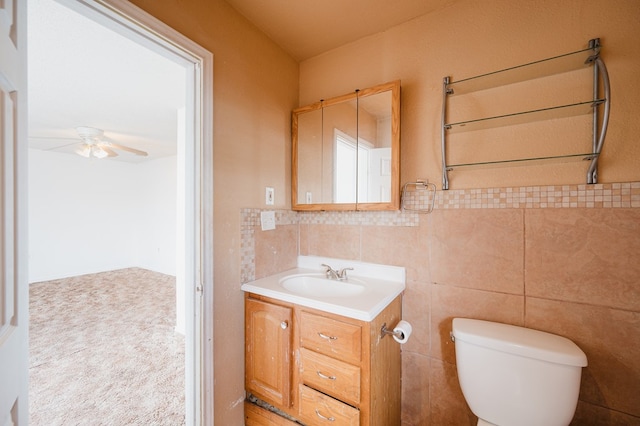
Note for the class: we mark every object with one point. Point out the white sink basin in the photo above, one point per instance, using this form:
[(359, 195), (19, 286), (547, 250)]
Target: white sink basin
[(317, 285), (367, 291)]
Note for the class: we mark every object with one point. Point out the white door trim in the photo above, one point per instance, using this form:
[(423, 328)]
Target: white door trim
[(139, 26)]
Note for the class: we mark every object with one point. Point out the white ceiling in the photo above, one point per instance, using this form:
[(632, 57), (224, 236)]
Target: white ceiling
[(83, 74), (306, 28)]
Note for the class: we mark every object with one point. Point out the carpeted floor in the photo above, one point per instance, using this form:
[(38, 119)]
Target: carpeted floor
[(104, 351)]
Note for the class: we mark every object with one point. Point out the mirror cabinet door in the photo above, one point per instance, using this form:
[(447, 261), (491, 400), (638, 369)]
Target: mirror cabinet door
[(346, 152), (309, 155), (374, 148), (340, 136)]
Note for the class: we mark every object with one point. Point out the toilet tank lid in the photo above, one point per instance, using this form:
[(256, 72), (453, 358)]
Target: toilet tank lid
[(519, 341)]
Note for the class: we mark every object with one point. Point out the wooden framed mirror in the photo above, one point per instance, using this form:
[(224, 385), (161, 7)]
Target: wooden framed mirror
[(346, 151)]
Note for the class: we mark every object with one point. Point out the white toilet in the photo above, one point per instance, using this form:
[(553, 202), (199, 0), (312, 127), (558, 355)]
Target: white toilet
[(515, 376)]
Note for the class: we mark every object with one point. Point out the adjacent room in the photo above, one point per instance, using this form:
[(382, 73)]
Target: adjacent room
[(106, 314)]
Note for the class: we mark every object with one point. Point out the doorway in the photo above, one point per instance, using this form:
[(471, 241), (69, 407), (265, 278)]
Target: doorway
[(195, 168)]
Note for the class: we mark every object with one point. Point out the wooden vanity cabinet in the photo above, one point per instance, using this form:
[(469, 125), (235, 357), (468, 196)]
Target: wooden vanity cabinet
[(268, 351), (341, 370)]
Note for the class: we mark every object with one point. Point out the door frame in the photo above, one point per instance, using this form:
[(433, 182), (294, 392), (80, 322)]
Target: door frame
[(139, 26)]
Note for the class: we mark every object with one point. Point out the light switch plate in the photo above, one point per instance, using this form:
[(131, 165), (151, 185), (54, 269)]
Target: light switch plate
[(268, 220), (269, 196)]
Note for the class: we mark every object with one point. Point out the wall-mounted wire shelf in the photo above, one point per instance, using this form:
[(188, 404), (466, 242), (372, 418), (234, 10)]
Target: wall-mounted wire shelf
[(530, 71)]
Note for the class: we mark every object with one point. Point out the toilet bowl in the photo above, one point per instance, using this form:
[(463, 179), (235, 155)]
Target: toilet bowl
[(516, 376)]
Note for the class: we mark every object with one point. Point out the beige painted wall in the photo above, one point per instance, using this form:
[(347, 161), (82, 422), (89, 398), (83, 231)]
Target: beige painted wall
[(447, 258), (255, 89), (476, 37)]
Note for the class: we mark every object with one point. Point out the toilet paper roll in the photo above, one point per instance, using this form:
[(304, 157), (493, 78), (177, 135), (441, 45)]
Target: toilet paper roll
[(402, 331)]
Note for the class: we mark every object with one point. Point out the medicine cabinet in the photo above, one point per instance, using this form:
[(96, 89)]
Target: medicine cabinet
[(552, 110), (346, 151)]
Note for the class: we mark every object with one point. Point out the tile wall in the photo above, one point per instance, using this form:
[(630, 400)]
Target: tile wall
[(564, 259)]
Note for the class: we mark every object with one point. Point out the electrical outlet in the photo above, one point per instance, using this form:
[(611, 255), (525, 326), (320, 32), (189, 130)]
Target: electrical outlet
[(268, 220), (309, 198), (269, 196)]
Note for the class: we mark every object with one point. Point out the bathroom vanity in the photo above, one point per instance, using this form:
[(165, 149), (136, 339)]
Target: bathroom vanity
[(319, 359)]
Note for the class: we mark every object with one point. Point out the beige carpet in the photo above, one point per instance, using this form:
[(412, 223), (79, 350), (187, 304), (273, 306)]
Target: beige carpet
[(104, 351)]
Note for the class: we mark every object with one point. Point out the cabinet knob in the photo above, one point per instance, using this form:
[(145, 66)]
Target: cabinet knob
[(284, 325)]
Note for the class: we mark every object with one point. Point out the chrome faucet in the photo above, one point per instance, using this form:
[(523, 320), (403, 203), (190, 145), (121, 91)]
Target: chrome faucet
[(342, 275), (331, 273), (334, 274)]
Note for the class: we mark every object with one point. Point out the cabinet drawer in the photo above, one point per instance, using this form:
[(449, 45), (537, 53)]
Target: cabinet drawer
[(319, 409), (331, 337), (257, 416), (330, 376)]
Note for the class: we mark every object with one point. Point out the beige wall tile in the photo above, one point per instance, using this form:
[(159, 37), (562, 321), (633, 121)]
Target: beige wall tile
[(416, 307), (611, 340), (276, 250), (338, 241), (478, 248), (303, 240), (415, 389), (584, 255), (398, 246), (593, 415), (448, 406), (449, 302)]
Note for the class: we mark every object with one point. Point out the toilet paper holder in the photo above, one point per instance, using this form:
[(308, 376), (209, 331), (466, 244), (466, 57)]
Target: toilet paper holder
[(385, 331)]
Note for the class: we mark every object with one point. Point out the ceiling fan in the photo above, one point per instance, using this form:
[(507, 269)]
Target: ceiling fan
[(94, 145)]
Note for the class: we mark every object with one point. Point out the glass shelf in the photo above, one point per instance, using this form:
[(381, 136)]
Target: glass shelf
[(523, 162), (543, 68), (560, 111), (533, 72)]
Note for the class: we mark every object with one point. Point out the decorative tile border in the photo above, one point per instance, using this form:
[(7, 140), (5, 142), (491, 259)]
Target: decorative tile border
[(606, 195), (364, 218)]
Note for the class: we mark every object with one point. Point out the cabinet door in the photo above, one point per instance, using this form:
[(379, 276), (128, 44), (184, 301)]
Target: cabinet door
[(268, 351)]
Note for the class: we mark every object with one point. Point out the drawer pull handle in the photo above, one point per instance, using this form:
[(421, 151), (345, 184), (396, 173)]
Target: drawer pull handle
[(284, 325), (325, 376), (324, 336), (331, 419)]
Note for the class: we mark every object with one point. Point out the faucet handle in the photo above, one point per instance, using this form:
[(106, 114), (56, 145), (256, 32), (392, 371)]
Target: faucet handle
[(343, 273), (331, 273)]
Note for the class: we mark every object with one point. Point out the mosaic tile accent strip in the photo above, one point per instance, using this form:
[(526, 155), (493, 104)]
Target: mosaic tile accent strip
[(382, 218), (606, 195), (247, 244)]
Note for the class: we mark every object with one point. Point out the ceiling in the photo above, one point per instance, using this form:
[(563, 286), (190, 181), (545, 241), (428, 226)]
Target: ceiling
[(306, 28), (83, 74)]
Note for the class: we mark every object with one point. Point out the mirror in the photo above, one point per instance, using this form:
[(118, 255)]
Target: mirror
[(346, 151)]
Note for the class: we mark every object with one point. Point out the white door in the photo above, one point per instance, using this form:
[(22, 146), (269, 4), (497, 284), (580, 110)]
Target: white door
[(380, 175), (14, 352)]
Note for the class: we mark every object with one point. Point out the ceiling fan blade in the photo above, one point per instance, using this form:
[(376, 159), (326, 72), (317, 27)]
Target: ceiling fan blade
[(84, 151), (126, 148), (109, 151)]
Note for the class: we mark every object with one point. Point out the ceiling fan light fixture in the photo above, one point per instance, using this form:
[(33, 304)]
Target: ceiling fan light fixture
[(85, 151), (98, 152), (94, 145)]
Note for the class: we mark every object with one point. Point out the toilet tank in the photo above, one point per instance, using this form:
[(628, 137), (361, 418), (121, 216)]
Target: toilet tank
[(513, 375)]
